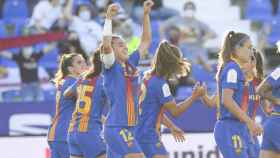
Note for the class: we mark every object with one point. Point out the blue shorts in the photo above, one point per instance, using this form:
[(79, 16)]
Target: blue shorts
[(254, 148), (232, 138), (121, 140), (271, 136), (152, 149), (59, 149), (86, 144), (112, 154)]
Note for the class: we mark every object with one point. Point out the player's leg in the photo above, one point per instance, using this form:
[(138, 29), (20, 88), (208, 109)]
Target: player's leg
[(91, 144), (121, 141), (269, 154), (73, 146), (154, 150)]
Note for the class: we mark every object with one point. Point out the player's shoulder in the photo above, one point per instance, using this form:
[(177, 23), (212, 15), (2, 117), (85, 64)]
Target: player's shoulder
[(275, 74), (231, 67)]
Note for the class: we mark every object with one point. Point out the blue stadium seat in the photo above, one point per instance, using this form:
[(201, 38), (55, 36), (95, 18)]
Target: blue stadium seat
[(15, 9), (183, 92), (2, 29), (76, 3), (18, 24), (258, 10), (274, 35), (49, 95), (50, 60), (200, 74), (11, 96)]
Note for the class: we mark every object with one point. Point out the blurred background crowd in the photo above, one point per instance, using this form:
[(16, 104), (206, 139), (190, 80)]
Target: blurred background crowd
[(34, 34)]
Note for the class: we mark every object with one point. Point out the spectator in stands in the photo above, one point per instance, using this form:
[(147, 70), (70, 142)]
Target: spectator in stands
[(88, 31), (46, 13), (27, 61), (159, 11), (173, 35), (125, 27), (275, 6), (193, 34)]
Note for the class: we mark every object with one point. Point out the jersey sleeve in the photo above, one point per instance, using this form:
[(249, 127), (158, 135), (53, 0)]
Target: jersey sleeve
[(134, 58), (230, 78), (274, 78), (164, 93)]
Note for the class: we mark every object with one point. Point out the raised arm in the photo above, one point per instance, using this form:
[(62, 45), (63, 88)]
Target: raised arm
[(146, 37), (68, 9), (108, 57)]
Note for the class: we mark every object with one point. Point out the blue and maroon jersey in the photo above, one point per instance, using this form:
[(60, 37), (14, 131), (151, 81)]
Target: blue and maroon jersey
[(254, 99), (154, 94), (63, 111), (232, 77), (89, 105), (121, 88)]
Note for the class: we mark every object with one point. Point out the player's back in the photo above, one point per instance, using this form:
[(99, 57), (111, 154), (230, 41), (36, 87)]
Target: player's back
[(89, 105), (151, 109), (63, 112)]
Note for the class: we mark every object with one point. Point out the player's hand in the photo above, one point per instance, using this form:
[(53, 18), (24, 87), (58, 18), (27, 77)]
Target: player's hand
[(254, 128), (198, 90), (177, 134), (148, 4), (112, 10)]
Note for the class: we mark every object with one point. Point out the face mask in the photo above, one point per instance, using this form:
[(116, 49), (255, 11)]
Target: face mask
[(188, 13), (85, 15), (27, 52)]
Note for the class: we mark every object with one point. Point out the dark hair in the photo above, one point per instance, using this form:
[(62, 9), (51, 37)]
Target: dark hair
[(65, 61), (230, 43), (259, 64), (189, 3), (96, 63), (168, 60)]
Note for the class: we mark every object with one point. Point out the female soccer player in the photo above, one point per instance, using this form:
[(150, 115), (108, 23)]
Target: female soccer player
[(121, 86), (155, 98), (230, 129), (254, 74), (270, 90), (84, 137), (70, 67)]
